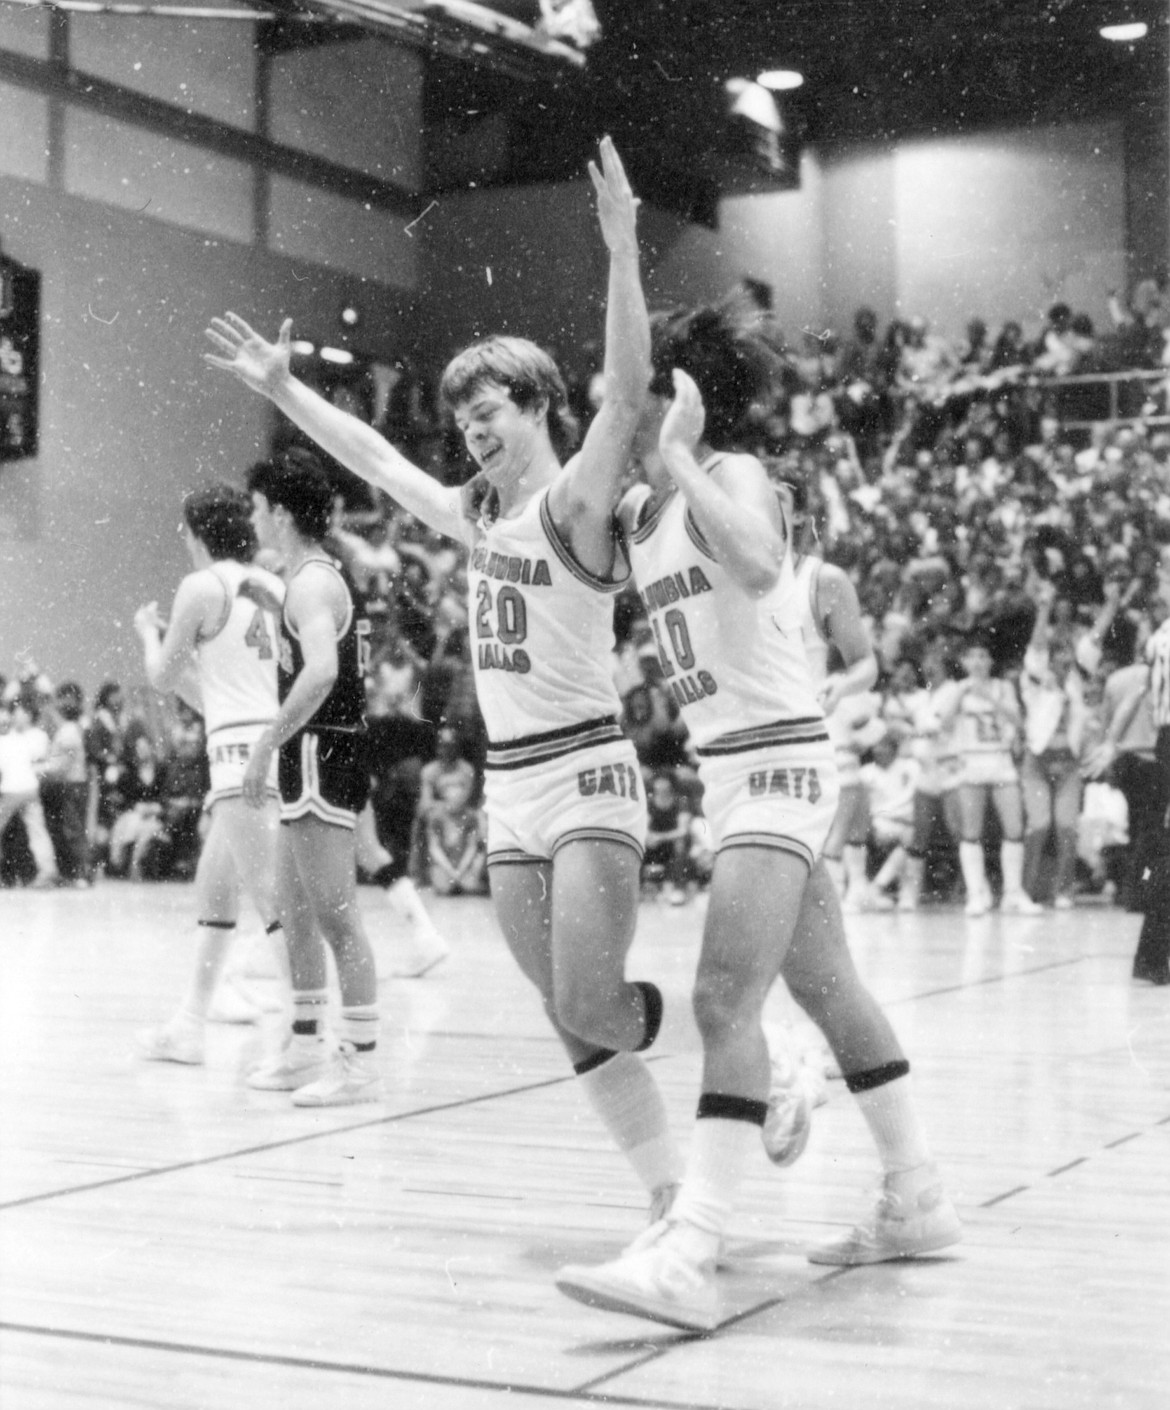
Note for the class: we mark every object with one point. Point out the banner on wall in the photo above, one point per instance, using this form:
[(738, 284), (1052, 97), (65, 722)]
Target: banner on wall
[(20, 330)]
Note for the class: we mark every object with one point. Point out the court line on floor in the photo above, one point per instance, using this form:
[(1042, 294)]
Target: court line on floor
[(357, 1368), (981, 983), (1073, 1164), (303, 1139), (154, 1171)]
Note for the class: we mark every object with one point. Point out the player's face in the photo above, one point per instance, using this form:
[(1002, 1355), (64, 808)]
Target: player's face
[(501, 436), (263, 521)]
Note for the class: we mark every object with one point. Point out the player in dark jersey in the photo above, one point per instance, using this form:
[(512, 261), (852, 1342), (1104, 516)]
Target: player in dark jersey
[(320, 733)]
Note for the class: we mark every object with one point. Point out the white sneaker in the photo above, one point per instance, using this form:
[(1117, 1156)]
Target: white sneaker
[(173, 1042), (349, 1079), (667, 1275), (1019, 903), (912, 1216), (231, 1003), (1063, 903), (430, 950), (978, 904), (301, 1061), (787, 1126)]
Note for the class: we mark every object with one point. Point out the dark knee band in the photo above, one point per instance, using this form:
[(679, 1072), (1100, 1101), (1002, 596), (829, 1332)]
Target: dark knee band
[(217, 924), (876, 1076), (652, 998), (592, 1061), (717, 1104), (273, 928)]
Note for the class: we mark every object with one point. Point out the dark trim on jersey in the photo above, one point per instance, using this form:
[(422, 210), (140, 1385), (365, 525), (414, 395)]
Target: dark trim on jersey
[(564, 553), (552, 744), (600, 834), (336, 567), (241, 724), (807, 730), (645, 524), (517, 857), (772, 841)]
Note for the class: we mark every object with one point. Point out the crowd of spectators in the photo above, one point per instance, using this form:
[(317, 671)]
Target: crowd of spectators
[(963, 488)]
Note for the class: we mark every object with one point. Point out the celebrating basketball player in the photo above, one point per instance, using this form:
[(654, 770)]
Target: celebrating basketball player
[(566, 816), (709, 548)]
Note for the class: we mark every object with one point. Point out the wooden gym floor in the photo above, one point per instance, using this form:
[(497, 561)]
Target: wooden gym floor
[(169, 1238)]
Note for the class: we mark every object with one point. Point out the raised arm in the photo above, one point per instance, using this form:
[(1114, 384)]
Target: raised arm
[(584, 498), (735, 506), (264, 367)]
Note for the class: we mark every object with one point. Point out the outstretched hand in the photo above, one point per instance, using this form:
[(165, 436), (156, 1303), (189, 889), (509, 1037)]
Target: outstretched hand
[(682, 428), (617, 206), (258, 363)]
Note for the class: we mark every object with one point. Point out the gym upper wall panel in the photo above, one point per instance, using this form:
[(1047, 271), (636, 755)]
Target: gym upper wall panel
[(204, 66), (24, 122), (342, 234), (357, 103), (1004, 224), (167, 180), (24, 31)]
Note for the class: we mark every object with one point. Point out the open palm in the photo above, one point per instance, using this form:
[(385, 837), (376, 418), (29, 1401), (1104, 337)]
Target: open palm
[(617, 206), (242, 351)]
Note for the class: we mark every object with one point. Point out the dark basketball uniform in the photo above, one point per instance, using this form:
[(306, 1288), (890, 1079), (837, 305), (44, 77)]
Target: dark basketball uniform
[(323, 769)]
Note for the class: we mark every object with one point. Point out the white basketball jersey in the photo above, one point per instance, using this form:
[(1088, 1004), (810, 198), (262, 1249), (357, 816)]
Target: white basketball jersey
[(237, 660), (978, 727), (806, 575), (541, 628), (736, 664)]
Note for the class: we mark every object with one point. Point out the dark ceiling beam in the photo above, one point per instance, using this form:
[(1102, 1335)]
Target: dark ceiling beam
[(166, 120)]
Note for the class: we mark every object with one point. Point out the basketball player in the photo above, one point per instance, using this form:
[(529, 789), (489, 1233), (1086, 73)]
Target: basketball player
[(218, 651), (982, 714), (319, 736), (831, 625), (708, 543), (566, 816)]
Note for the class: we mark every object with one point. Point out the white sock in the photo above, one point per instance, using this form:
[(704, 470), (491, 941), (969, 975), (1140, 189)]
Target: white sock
[(722, 1150), (893, 1122), (626, 1098), (1011, 860), (309, 1008), (359, 1026), (855, 858), (973, 868)]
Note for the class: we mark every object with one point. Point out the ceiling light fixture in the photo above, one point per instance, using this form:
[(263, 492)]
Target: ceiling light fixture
[(337, 355), (1125, 33), (780, 80)]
